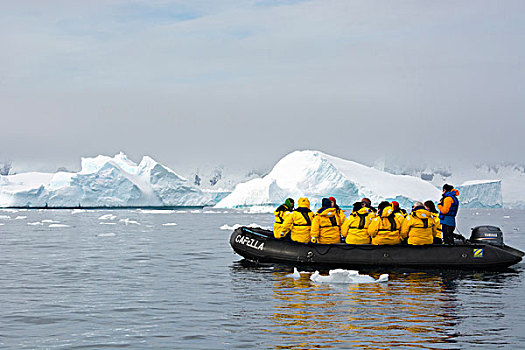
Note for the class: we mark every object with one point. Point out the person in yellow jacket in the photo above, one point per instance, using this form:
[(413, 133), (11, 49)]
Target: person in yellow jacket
[(280, 214), (431, 207), (384, 228), (299, 222), (419, 226), (338, 210), (326, 225), (355, 227)]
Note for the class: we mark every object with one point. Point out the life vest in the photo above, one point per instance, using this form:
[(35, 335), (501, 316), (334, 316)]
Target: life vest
[(362, 220), (450, 217)]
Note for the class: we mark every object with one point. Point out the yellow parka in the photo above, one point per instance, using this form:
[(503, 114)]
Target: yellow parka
[(438, 225), (326, 227), (280, 214), (384, 229), (419, 227), (299, 222), (355, 227)]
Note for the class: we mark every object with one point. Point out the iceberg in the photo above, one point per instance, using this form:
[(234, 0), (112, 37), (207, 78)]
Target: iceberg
[(103, 182), (316, 175), (481, 194)]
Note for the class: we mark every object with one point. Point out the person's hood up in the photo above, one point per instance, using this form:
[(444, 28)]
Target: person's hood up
[(303, 203)]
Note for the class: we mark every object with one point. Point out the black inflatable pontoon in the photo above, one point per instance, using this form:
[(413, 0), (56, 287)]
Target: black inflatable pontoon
[(485, 250)]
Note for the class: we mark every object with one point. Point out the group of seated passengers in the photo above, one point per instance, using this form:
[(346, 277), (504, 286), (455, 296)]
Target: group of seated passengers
[(388, 224)]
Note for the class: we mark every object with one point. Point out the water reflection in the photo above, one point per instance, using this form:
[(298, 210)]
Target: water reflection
[(431, 309), (413, 310)]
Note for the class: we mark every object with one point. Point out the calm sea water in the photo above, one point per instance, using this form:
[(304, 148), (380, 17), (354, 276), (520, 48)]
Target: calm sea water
[(132, 281)]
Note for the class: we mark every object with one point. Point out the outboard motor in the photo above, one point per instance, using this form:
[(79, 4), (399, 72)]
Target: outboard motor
[(487, 234)]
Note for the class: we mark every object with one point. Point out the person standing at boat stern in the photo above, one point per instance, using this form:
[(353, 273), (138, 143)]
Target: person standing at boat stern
[(448, 209), (419, 226), (280, 214), (299, 222), (326, 225)]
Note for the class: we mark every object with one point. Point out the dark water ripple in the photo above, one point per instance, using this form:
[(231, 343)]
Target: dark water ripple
[(93, 286)]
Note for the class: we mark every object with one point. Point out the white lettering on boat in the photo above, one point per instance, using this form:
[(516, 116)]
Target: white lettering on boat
[(249, 242)]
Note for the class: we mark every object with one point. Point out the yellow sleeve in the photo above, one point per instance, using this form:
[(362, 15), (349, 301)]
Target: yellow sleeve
[(373, 228), (345, 227), (405, 227), (314, 231), (287, 225), (434, 229)]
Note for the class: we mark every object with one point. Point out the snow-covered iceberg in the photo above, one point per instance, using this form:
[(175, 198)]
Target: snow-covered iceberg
[(481, 194), (103, 182), (316, 175)]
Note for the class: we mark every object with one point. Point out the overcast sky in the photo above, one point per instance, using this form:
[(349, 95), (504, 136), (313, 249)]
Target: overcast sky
[(246, 82)]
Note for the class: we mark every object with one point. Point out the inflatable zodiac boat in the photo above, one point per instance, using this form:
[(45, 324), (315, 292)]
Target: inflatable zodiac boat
[(484, 250)]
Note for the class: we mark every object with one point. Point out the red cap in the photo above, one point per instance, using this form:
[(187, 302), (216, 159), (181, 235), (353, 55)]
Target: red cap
[(332, 199), (395, 205)]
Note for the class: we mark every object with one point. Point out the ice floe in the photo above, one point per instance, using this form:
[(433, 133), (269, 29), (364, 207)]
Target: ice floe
[(109, 234), (77, 211), (155, 211), (170, 224), (37, 223), (5, 217), (107, 223), (296, 274), (48, 221), (58, 225), (128, 221), (20, 217), (107, 217), (236, 226), (346, 276)]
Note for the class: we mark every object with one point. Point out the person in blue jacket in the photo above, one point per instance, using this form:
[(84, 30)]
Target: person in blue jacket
[(448, 209)]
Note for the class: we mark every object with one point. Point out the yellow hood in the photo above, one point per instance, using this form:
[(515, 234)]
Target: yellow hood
[(328, 212), (304, 203), (422, 214), (387, 211)]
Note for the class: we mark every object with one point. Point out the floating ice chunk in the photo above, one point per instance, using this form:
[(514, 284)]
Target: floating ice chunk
[(506, 217), (128, 221), (107, 223), (20, 217), (236, 226), (109, 234), (77, 211), (2, 224), (170, 224), (58, 225), (5, 217), (38, 223), (107, 217), (346, 276), (5, 210), (158, 211), (47, 221), (296, 275), (195, 211)]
